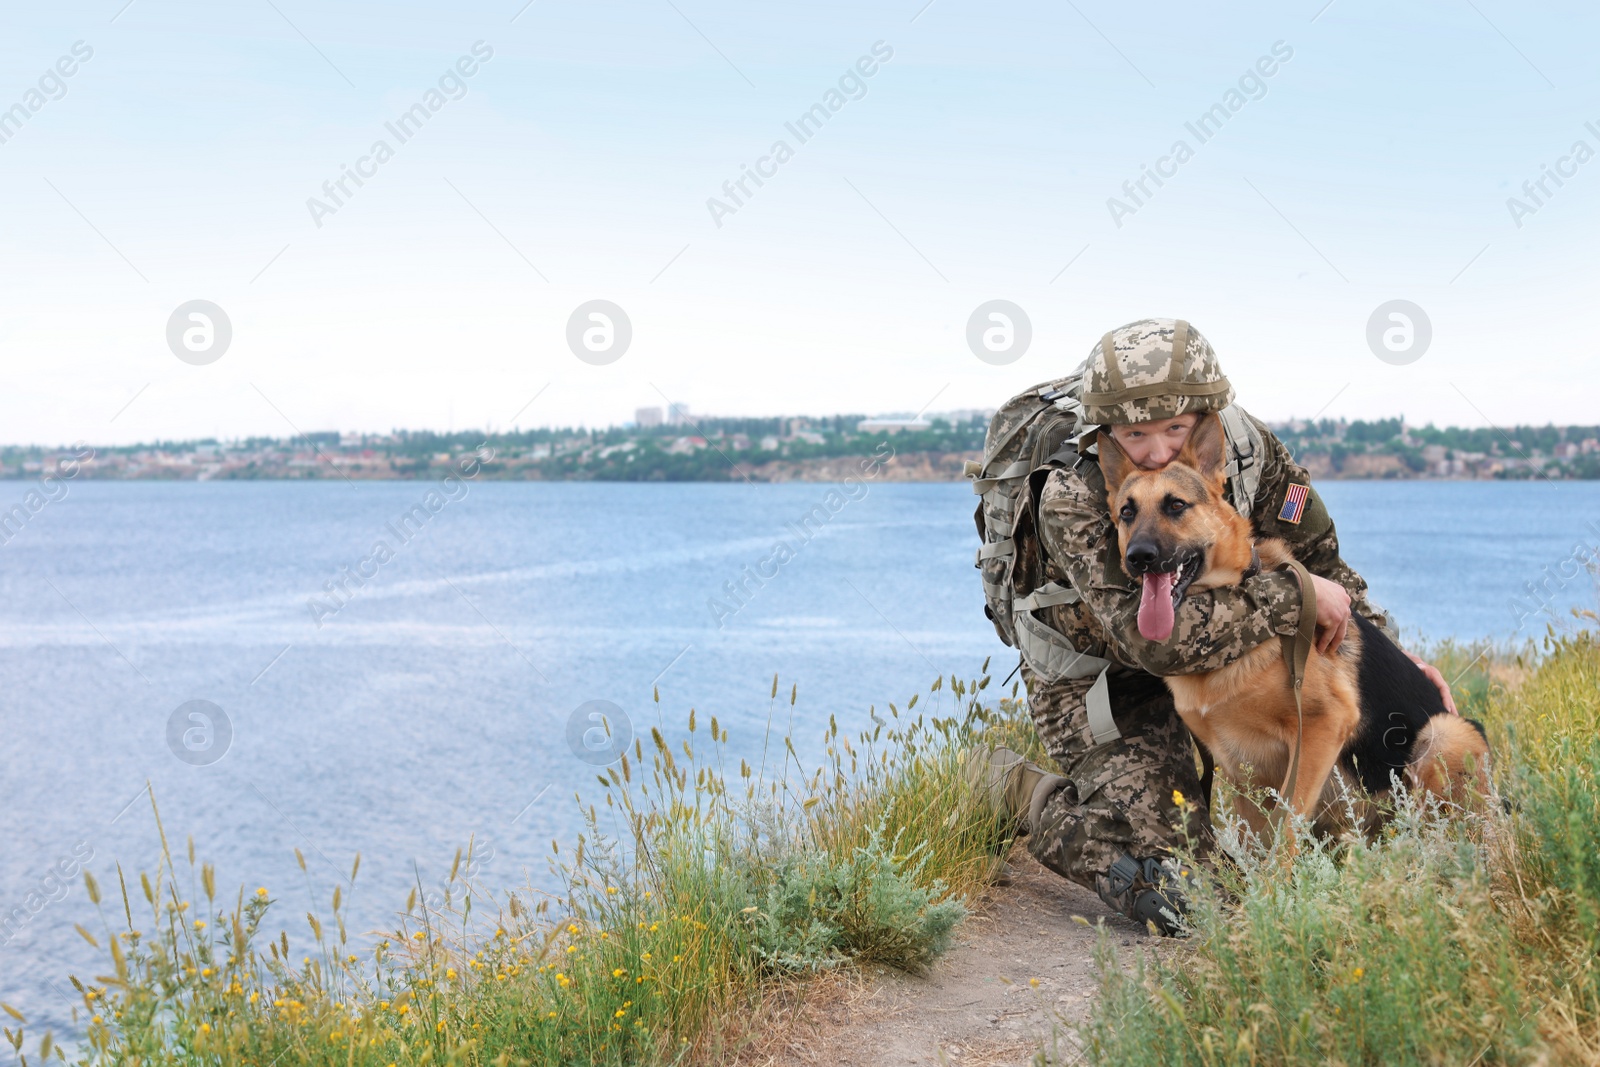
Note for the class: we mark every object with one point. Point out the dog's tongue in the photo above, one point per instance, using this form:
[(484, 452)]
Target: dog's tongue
[(1155, 606)]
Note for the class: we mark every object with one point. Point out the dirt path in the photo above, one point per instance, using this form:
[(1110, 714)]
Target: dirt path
[(977, 1007)]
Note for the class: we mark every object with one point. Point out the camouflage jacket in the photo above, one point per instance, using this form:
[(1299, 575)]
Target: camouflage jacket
[(1078, 545)]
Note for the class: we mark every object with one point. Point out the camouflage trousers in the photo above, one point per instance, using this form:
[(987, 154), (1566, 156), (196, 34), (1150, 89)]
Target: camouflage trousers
[(1119, 796)]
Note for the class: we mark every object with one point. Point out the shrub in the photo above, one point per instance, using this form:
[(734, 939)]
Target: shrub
[(1471, 940), (869, 905)]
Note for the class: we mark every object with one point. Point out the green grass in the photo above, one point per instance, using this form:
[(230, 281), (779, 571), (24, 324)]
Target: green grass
[(726, 883), (1468, 941)]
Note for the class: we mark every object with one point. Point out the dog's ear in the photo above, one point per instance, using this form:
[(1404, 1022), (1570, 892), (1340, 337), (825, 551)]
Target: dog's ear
[(1114, 464), (1206, 449)]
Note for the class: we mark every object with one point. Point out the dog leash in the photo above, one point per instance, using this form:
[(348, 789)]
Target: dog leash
[(1296, 653)]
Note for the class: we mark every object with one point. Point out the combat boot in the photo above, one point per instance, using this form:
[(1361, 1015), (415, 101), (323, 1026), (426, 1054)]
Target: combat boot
[(1148, 891), (1010, 786)]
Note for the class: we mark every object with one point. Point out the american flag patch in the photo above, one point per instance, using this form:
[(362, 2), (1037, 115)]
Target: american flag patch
[(1294, 503)]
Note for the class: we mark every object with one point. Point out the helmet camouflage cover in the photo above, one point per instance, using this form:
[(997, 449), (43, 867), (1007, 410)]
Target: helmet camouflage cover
[(1152, 369)]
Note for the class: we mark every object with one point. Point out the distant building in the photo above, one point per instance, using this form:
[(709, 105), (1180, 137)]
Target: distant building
[(678, 414), (647, 417), (892, 424), (685, 445), (961, 415)]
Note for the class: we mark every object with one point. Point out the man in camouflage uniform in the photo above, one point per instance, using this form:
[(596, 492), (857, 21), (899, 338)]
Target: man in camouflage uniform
[(1113, 822)]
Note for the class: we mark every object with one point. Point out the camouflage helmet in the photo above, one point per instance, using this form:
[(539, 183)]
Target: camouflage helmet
[(1152, 369)]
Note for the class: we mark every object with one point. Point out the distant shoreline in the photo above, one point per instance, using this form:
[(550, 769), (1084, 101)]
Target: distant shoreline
[(909, 467), (932, 449)]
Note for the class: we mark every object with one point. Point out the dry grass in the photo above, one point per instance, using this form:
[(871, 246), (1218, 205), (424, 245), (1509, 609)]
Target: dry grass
[(684, 941)]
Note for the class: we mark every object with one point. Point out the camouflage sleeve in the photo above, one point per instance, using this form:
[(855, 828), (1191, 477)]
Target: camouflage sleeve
[(1313, 539), (1212, 629)]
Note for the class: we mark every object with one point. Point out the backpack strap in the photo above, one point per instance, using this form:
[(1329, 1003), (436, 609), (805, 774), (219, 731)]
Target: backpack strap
[(1245, 447), (1013, 470), (1047, 595)]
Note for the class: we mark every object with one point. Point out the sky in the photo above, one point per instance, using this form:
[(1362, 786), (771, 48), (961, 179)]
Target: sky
[(1366, 154)]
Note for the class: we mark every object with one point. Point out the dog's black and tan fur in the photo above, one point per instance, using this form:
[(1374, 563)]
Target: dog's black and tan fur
[(1368, 710)]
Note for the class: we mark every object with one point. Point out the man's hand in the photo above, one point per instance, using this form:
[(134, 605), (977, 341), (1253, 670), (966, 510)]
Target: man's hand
[(1437, 679), (1333, 613)]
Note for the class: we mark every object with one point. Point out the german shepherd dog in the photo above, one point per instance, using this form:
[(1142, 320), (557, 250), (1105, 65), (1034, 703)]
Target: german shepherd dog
[(1368, 711)]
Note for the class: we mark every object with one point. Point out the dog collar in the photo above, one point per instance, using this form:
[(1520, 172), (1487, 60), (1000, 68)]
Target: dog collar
[(1255, 564)]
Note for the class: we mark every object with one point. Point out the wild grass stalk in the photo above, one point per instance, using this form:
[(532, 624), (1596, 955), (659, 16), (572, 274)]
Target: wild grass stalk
[(694, 890), (1461, 940)]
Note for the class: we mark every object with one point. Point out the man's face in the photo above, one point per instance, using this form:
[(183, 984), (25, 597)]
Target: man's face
[(1152, 445)]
